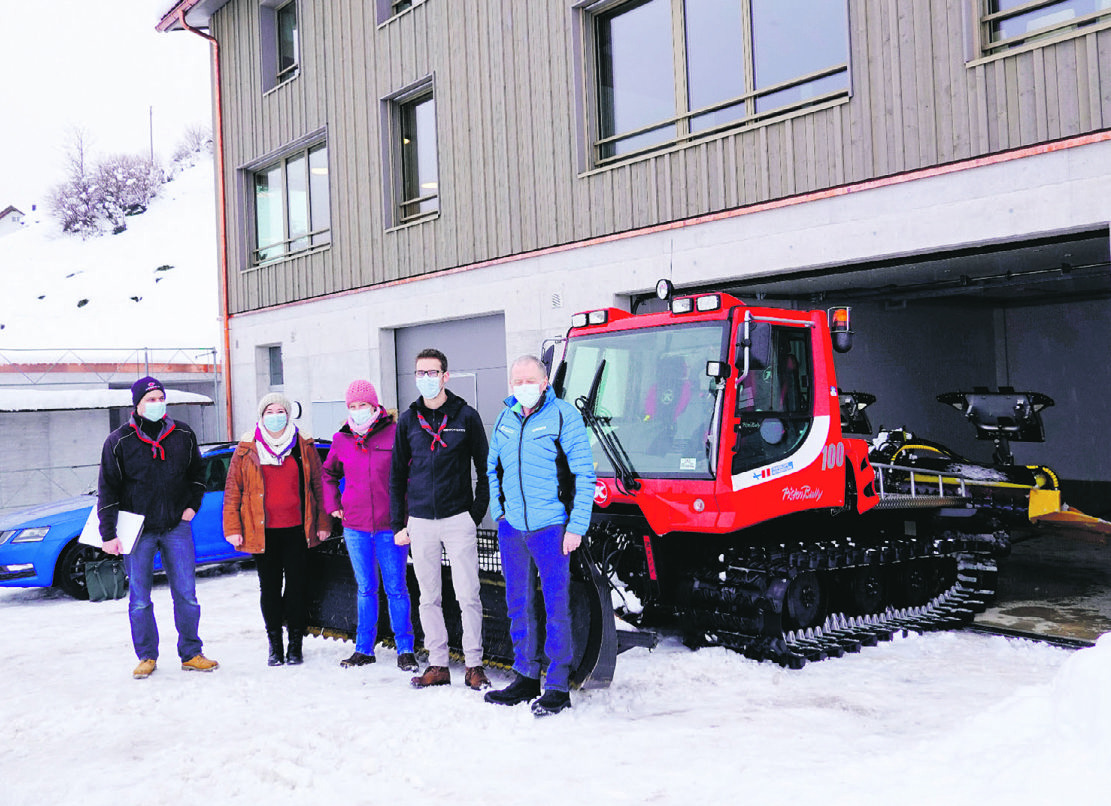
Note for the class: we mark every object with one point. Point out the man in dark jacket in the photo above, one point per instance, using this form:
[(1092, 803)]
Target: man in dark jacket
[(434, 507), (151, 466)]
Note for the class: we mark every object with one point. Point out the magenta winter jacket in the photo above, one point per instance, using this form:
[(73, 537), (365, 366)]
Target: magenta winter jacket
[(365, 500)]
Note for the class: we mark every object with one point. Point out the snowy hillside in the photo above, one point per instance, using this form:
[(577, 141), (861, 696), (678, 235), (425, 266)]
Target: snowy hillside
[(154, 285)]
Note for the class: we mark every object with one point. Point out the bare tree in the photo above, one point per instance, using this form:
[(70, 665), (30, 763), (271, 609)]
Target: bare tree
[(77, 201)]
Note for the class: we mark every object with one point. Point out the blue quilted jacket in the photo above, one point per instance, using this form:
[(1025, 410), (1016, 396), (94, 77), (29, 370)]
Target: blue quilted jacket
[(521, 465)]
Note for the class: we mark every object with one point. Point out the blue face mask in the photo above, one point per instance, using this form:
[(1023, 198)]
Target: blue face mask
[(428, 387), (274, 423), (361, 417), (154, 410)]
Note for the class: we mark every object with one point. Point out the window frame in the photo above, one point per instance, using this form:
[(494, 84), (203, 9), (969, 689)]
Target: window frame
[(316, 237), (270, 47), (987, 18), (388, 10), (394, 110), (591, 12)]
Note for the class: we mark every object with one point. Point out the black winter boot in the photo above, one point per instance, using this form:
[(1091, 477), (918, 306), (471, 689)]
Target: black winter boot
[(551, 703), (293, 655), (520, 690), (277, 653)]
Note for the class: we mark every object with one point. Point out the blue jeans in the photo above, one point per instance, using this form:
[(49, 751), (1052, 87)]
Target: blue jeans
[(371, 552), (179, 563), (542, 549)]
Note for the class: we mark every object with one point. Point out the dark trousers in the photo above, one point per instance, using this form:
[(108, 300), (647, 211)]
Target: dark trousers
[(286, 556)]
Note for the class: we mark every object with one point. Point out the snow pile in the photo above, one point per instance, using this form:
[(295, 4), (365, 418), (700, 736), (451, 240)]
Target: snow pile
[(153, 285), (950, 718)]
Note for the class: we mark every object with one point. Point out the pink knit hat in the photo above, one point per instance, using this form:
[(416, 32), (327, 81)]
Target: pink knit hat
[(362, 392)]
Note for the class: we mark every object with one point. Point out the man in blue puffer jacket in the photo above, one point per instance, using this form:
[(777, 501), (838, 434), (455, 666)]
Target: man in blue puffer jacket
[(535, 528)]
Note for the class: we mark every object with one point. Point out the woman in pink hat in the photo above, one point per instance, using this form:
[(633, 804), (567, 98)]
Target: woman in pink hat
[(361, 453)]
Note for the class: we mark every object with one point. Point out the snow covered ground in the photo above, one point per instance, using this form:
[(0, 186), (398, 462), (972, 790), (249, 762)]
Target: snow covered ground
[(947, 718), (154, 285)]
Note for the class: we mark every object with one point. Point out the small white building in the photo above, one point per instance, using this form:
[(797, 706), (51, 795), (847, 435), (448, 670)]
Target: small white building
[(11, 219)]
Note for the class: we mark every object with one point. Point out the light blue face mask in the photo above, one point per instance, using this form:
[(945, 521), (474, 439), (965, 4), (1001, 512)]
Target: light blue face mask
[(527, 394), (275, 423), (361, 417), (154, 410), (428, 387)]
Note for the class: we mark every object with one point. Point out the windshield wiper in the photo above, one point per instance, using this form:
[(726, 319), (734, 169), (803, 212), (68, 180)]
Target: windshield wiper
[(626, 475)]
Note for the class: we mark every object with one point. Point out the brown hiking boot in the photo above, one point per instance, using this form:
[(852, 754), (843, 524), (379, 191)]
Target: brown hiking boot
[(476, 678), (199, 663), (433, 676), (144, 669)]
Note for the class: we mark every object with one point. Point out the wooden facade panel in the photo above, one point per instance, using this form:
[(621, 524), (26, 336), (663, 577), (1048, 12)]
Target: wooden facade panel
[(510, 151)]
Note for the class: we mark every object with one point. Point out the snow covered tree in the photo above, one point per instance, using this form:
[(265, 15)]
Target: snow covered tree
[(127, 184), (77, 201)]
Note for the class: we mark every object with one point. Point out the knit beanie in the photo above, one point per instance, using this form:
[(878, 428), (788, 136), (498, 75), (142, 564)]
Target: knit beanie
[(275, 397), (144, 385), (362, 392)]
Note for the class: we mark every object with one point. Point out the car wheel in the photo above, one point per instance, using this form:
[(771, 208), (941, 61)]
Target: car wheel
[(70, 572)]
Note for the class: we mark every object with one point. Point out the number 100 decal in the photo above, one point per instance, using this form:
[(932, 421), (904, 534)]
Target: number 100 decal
[(833, 456)]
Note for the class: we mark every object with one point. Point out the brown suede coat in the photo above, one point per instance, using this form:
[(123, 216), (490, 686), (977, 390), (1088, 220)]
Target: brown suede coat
[(244, 513)]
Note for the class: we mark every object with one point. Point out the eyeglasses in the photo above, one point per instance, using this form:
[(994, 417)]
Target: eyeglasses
[(428, 373)]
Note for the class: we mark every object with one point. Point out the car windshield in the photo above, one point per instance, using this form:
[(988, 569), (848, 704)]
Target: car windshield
[(654, 392)]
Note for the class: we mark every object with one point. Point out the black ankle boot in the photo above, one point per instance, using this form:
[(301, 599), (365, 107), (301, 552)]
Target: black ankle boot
[(277, 654), (522, 689), (293, 655)]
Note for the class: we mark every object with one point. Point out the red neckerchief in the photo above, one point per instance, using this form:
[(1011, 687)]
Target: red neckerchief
[(360, 439), (435, 434), (156, 449)]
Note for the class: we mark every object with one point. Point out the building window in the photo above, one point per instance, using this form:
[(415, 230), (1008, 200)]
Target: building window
[(292, 204), (670, 70), (388, 9), (1006, 24), (415, 181), (280, 46), (276, 373)]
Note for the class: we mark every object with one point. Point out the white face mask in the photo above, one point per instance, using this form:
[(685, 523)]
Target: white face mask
[(154, 410), (361, 417), (428, 387), (527, 394)]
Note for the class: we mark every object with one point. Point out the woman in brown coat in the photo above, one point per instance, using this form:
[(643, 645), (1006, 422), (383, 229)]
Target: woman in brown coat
[(273, 508)]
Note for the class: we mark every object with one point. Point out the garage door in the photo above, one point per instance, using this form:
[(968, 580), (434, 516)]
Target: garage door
[(475, 350)]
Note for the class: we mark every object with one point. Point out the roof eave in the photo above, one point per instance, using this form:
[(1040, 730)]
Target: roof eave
[(197, 13)]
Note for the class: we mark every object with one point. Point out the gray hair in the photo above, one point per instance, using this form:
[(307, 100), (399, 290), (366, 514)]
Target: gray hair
[(530, 359)]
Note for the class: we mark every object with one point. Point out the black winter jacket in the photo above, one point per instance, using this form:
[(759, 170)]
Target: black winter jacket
[(436, 484), (134, 477)]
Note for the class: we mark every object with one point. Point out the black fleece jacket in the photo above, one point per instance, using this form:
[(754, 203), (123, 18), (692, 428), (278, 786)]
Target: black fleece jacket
[(436, 484), (138, 477)]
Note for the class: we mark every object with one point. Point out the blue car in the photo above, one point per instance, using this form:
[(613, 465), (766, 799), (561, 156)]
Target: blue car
[(39, 548)]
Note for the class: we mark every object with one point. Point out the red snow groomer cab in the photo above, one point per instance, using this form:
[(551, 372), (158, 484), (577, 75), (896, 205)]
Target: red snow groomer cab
[(730, 503)]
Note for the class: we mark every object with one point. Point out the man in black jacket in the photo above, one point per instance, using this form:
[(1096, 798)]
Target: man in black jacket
[(151, 466), (433, 506)]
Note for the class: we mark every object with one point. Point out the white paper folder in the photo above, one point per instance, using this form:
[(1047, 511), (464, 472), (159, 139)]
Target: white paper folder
[(129, 526)]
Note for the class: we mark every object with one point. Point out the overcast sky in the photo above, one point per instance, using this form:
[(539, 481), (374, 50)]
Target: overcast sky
[(99, 66)]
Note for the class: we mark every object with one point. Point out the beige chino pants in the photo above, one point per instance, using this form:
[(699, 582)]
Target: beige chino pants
[(457, 536)]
